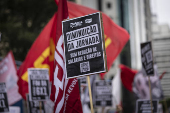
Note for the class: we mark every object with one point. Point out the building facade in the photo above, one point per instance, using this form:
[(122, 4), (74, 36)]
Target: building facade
[(161, 51)]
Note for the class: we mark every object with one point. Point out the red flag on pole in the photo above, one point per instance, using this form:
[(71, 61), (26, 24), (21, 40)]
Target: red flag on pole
[(41, 55), (115, 36), (64, 93)]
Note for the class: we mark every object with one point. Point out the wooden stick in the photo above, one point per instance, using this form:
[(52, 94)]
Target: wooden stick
[(40, 106), (150, 93), (103, 109), (90, 95), (166, 109)]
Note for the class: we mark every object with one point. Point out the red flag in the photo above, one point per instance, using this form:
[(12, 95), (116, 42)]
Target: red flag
[(8, 74), (41, 55), (64, 93), (127, 76), (115, 36)]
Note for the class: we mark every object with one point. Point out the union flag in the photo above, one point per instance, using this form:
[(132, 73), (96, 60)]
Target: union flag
[(40, 55), (64, 92)]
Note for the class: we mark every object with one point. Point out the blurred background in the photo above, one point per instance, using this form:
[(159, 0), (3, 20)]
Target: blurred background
[(21, 21)]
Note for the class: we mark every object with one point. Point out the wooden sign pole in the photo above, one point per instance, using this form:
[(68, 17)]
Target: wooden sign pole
[(103, 109), (150, 93), (166, 109), (40, 106), (90, 95)]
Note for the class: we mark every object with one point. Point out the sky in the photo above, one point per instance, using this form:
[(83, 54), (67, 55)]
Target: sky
[(162, 9)]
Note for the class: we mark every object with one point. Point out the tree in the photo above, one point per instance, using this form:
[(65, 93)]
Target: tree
[(21, 21)]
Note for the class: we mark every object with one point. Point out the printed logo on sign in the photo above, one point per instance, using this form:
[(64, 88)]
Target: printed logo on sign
[(84, 67), (75, 24), (149, 56), (88, 20)]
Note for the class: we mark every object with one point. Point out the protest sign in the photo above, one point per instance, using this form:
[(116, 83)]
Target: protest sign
[(83, 81), (35, 106), (4, 107), (14, 109), (144, 106), (147, 62), (102, 93), (147, 58), (84, 45), (38, 84)]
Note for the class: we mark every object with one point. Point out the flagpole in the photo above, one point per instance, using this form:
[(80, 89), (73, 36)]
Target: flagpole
[(150, 93), (90, 95)]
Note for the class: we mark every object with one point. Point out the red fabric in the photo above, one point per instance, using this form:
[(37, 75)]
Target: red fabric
[(40, 55), (162, 75), (64, 93), (56, 1), (127, 76), (115, 36)]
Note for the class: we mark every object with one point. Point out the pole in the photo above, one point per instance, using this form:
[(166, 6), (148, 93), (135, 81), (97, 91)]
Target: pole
[(150, 94), (90, 95), (40, 106), (166, 109), (103, 109)]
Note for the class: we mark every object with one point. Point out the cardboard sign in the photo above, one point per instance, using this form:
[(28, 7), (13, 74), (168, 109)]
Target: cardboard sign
[(102, 93), (34, 106), (83, 81), (38, 84), (147, 58), (14, 109), (84, 45), (144, 106), (4, 107)]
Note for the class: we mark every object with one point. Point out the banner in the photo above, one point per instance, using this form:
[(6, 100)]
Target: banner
[(8, 75)]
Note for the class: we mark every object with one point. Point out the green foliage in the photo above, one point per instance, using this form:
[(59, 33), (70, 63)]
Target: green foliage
[(21, 21)]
